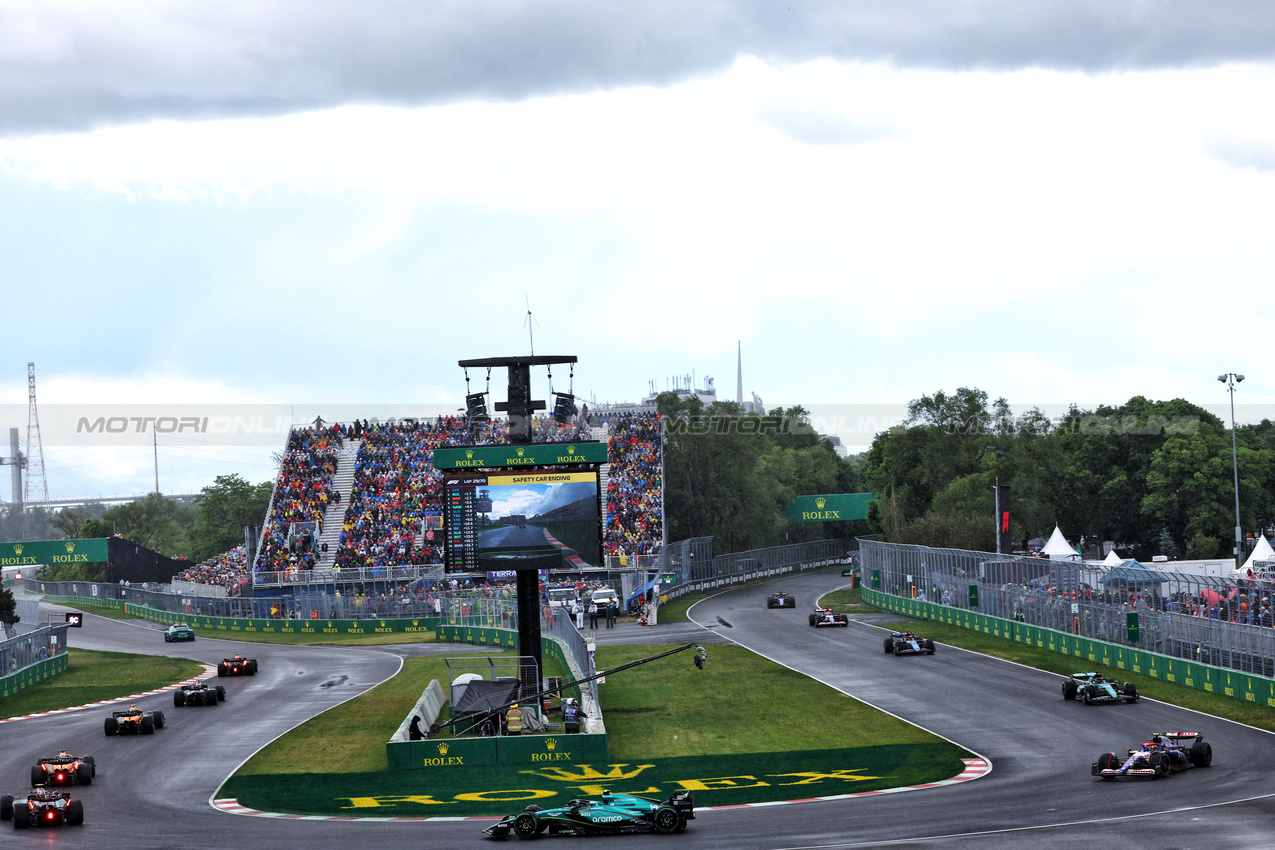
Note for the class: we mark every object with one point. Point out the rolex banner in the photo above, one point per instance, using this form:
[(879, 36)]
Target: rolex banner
[(53, 552), (832, 508)]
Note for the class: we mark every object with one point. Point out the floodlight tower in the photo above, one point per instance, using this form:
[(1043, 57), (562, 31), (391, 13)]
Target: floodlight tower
[(1231, 379), (519, 408)]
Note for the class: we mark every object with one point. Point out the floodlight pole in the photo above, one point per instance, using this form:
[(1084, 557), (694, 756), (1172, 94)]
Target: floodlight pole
[(1231, 379)]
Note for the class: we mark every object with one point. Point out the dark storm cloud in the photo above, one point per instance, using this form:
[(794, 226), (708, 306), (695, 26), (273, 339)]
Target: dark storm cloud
[(76, 65)]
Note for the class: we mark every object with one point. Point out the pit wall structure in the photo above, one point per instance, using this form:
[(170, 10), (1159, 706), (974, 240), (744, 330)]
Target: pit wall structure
[(517, 751), (1202, 677)]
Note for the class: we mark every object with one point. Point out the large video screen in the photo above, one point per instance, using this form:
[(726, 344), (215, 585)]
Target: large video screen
[(545, 520)]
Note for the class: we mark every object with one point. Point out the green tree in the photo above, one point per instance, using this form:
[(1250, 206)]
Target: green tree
[(225, 507), (8, 607), (155, 522)]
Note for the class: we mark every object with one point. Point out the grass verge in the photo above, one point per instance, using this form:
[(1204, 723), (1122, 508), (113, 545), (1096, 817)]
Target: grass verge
[(1064, 665), (93, 676)]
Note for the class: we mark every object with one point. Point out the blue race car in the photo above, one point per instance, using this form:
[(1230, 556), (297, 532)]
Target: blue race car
[(1092, 688), (1165, 753), (906, 643), (612, 813)]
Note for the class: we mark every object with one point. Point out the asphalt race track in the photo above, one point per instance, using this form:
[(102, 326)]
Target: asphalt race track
[(155, 791)]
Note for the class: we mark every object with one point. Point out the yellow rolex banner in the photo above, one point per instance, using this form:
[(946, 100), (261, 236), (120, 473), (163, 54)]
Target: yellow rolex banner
[(53, 552), (830, 508)]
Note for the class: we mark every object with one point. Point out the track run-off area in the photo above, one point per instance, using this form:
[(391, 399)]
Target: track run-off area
[(159, 791)]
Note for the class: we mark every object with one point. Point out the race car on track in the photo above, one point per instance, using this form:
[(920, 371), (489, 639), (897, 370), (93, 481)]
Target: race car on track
[(63, 769), (42, 807), (179, 631), (134, 721), (1090, 688), (199, 693), (237, 666), (826, 617), (1165, 753), (906, 643), (612, 813), (781, 600)]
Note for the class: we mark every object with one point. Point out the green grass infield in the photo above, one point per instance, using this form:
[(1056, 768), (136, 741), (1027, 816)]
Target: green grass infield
[(93, 676), (724, 780)]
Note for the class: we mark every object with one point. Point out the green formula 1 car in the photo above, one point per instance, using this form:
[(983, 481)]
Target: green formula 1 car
[(612, 813), (1092, 688)]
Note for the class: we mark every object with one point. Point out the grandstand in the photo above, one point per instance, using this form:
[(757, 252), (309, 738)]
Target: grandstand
[(363, 500)]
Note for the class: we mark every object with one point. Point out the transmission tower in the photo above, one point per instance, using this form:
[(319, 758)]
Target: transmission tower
[(35, 448)]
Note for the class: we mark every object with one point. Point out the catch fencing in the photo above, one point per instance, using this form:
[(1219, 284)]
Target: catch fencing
[(1217, 621), (699, 572), (32, 657)]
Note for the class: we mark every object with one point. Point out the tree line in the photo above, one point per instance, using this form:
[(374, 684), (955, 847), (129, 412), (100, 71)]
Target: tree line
[(1155, 477)]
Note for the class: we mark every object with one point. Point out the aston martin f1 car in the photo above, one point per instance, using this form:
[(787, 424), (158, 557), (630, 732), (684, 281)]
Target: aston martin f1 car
[(1090, 688), (237, 666), (199, 693), (134, 721), (179, 631), (781, 600), (612, 813), (827, 617), (42, 807), (906, 643), (1165, 753), (63, 769)]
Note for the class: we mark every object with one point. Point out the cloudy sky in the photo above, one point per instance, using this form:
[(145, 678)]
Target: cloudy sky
[(314, 206)]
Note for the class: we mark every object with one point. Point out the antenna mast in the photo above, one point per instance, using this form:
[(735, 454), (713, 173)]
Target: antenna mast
[(530, 319), (35, 458)]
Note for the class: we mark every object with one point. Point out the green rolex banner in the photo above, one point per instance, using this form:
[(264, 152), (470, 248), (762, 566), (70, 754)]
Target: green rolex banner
[(830, 508), (53, 552), (533, 454)]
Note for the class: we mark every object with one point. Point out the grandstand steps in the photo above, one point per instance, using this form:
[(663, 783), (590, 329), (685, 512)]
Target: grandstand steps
[(602, 433), (334, 517)]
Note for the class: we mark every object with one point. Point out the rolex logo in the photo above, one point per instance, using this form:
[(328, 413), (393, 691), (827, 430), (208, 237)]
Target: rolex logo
[(70, 547), (442, 749), (520, 452), (551, 743), (469, 453), (17, 548), (571, 450), (820, 502)]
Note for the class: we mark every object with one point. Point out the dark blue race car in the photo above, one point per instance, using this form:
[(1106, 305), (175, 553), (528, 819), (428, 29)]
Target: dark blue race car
[(906, 643), (612, 813), (1165, 753)]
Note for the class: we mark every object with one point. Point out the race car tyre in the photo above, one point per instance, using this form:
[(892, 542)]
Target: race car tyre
[(6, 807), (526, 825), (1087, 695), (221, 670), (251, 667), (84, 773), (92, 763), (75, 813), (179, 698), (37, 776), (110, 726), (148, 724), (898, 649), (1161, 764), (21, 817), (159, 720), (1108, 761), (1130, 692), (667, 820), (221, 693), (770, 603), (168, 638), (1201, 754), (1069, 689), (210, 697), (889, 645), (812, 619), (929, 646)]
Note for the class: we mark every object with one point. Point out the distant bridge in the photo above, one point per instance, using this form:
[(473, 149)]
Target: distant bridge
[(76, 501)]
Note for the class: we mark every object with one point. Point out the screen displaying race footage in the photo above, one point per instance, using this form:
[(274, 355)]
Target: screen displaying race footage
[(523, 520)]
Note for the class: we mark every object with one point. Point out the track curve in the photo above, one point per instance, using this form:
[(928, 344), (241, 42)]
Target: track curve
[(155, 791)]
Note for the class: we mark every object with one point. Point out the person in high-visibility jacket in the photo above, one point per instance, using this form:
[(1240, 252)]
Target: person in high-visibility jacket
[(513, 720)]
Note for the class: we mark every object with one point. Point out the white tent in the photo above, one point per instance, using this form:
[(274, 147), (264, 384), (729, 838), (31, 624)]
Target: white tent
[(1058, 548), (1261, 552), (1112, 559)]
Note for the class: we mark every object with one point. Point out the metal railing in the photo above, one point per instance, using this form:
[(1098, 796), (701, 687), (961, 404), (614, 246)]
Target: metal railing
[(1216, 620), (32, 647), (740, 567)]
